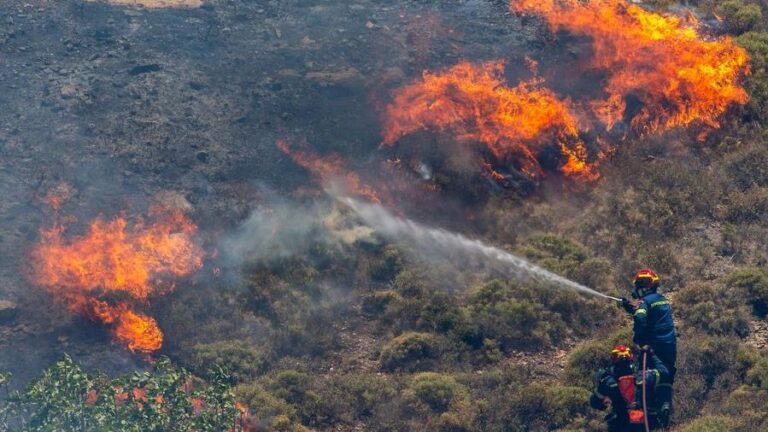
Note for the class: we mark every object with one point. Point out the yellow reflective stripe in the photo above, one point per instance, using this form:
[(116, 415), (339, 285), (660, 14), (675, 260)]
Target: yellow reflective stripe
[(658, 378), (599, 395), (664, 385), (640, 312), (659, 303)]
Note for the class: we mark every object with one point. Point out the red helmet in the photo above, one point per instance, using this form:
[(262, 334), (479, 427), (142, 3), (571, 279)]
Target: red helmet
[(621, 353), (646, 279)]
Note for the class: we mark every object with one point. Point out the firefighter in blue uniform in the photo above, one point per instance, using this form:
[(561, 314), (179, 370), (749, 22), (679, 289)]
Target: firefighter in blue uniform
[(620, 387), (654, 328)]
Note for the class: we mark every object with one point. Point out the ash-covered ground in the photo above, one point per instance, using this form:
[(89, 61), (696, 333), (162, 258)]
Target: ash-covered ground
[(116, 104)]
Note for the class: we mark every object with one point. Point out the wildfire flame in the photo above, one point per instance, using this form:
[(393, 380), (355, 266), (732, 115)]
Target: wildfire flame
[(473, 102), (329, 168), (679, 77), (104, 273)]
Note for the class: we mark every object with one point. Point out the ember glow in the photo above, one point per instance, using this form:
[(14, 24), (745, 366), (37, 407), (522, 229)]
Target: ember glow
[(116, 266), (679, 77), (473, 102)]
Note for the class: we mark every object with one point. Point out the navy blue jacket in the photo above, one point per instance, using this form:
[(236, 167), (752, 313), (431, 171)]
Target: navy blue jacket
[(653, 321)]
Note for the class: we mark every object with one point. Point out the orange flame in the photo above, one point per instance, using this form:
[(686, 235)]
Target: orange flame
[(474, 102), (329, 168), (679, 77), (115, 259)]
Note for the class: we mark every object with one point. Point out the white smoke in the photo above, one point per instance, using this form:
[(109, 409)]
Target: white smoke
[(457, 247), (278, 230)]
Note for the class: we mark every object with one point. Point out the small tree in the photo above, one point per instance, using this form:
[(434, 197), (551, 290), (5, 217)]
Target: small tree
[(66, 398)]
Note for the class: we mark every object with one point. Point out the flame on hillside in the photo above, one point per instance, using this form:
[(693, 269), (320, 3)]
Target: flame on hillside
[(679, 77), (115, 266), (473, 102), (329, 168)]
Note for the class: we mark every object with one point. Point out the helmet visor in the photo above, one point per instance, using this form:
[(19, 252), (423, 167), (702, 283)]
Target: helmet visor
[(643, 283)]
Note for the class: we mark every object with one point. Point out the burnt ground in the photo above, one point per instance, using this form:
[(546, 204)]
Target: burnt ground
[(121, 103)]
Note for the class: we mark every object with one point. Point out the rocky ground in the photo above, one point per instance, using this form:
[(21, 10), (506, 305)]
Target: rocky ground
[(116, 104)]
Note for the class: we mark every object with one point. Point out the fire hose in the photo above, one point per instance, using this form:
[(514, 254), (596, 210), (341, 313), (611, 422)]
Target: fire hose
[(645, 406)]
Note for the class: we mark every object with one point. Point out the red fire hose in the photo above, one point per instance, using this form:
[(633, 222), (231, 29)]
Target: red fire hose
[(645, 407)]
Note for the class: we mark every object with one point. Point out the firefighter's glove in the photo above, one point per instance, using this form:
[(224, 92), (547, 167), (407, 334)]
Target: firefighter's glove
[(627, 305), (647, 349)]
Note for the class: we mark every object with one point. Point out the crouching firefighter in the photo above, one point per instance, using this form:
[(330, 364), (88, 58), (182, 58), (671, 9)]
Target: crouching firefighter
[(622, 388), (654, 327)]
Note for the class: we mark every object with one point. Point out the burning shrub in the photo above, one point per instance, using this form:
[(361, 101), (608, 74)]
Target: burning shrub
[(473, 101), (116, 265), (679, 77), (410, 351)]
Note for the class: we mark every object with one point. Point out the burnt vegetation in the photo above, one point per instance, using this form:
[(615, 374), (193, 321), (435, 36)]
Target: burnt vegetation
[(359, 335)]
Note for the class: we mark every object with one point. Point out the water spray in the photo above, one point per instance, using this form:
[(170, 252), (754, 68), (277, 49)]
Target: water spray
[(387, 224)]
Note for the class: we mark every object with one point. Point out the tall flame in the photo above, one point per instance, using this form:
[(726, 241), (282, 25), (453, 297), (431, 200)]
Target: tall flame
[(679, 77), (473, 102), (115, 265)]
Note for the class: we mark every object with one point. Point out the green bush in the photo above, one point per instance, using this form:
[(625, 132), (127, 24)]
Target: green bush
[(748, 206), (585, 360), (65, 398), (706, 307), (513, 322), (295, 388), (438, 402), (388, 265), (435, 391), (357, 395), (748, 406), (748, 166), (242, 361), (564, 404), (417, 304), (375, 304), (740, 17), (753, 282), (267, 408), (711, 424), (756, 44), (708, 357), (555, 253), (545, 407), (411, 351), (757, 375)]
